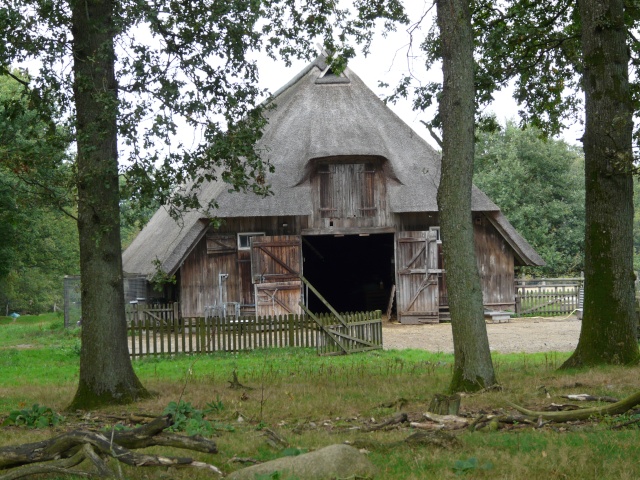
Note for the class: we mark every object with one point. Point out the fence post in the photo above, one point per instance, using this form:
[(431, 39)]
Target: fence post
[(291, 332)]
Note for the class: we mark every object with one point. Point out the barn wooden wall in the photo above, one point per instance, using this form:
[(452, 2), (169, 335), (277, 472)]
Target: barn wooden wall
[(349, 192), (199, 280), (496, 264), (495, 257), (215, 254)]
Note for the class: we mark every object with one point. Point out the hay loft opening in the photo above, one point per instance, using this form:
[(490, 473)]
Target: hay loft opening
[(352, 272)]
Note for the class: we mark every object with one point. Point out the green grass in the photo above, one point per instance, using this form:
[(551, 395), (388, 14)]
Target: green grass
[(315, 401)]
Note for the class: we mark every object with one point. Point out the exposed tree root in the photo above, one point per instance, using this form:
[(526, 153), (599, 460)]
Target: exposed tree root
[(617, 408), (60, 454)]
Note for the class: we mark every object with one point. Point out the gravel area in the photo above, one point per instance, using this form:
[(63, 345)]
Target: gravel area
[(518, 335)]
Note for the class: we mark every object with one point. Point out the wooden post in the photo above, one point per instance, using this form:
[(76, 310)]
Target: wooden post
[(291, 325), (390, 306)]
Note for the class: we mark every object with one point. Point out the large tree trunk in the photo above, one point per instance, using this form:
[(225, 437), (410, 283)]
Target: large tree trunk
[(473, 369), (608, 333), (106, 373)]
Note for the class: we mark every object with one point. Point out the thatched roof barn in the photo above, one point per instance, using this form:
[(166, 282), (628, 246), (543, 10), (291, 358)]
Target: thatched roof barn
[(354, 210)]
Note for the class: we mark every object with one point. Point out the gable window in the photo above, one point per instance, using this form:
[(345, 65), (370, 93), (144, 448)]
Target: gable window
[(244, 239), (347, 190)]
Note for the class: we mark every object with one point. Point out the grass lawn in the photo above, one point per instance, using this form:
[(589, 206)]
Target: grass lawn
[(314, 401)]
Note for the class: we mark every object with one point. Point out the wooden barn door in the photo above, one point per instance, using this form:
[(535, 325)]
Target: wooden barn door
[(417, 264), (276, 267)]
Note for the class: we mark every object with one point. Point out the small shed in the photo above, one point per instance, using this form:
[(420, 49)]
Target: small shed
[(353, 210)]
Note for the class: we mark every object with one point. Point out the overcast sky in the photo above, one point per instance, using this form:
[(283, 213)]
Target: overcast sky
[(388, 63)]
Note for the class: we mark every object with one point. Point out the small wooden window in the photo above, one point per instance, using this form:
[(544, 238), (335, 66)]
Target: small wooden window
[(244, 239)]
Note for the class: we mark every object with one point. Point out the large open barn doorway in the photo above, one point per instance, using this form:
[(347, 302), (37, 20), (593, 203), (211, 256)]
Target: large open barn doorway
[(352, 272)]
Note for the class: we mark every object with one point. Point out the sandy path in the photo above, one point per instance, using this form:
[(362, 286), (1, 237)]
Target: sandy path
[(519, 335)]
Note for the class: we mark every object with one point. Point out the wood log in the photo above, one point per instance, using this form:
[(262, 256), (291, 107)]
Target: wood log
[(617, 408), (585, 397), (398, 418)]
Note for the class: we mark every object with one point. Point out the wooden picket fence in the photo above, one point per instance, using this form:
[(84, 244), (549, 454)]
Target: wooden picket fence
[(548, 297), (150, 336)]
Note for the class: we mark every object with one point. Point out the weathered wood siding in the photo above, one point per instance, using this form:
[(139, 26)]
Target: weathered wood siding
[(276, 258), (495, 258), (200, 280), (496, 265), (417, 277), (278, 298), (217, 253), (349, 192)]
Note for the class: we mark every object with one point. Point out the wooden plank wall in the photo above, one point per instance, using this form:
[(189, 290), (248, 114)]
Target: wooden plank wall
[(200, 281), (198, 277), (495, 258), (495, 264), (349, 192)]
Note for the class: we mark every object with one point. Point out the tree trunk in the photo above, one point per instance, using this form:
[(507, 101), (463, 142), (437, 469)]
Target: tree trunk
[(106, 373), (608, 333), (473, 369)]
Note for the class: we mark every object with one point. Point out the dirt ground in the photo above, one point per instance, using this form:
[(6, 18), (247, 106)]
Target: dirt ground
[(528, 335)]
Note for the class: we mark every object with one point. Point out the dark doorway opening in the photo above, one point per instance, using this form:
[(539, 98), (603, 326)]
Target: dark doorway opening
[(353, 273)]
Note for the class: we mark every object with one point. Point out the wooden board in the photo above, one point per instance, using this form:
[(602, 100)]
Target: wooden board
[(276, 259), (417, 271), (278, 298)]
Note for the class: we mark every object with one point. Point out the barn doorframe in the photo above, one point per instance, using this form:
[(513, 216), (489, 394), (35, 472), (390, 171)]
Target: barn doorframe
[(353, 271)]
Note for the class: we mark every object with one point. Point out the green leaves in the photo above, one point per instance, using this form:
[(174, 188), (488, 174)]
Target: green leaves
[(190, 420), (36, 417)]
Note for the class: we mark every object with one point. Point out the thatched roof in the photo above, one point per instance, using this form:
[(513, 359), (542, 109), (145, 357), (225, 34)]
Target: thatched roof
[(317, 115)]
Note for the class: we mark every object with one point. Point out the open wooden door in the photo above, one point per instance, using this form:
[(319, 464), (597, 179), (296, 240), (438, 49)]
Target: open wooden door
[(417, 264), (276, 267)]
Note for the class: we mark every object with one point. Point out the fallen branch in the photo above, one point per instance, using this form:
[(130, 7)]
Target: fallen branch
[(614, 409), (585, 397), (395, 420), (447, 419), (63, 452)]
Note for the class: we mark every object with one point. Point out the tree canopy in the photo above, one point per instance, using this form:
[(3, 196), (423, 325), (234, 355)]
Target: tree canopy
[(539, 185), (39, 237)]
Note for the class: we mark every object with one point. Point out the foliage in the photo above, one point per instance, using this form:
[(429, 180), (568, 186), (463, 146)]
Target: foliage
[(188, 419), (39, 238), (36, 417), (133, 215), (216, 406), (539, 185), (188, 78), (160, 278)]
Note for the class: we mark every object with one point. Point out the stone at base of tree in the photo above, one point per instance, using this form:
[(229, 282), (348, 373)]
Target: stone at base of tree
[(445, 404), (334, 461)]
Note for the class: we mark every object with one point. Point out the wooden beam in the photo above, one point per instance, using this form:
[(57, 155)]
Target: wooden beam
[(326, 304), (325, 329), (347, 230)]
